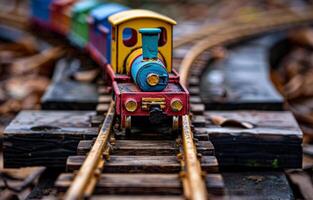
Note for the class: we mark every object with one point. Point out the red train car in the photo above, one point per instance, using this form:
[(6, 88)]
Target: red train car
[(60, 15)]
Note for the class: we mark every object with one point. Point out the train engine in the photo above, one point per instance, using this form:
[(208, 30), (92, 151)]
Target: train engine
[(147, 69), (146, 87)]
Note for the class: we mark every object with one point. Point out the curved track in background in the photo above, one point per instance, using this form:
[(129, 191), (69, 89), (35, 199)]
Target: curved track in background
[(265, 22)]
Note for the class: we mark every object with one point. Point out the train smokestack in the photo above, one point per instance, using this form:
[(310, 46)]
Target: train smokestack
[(150, 37)]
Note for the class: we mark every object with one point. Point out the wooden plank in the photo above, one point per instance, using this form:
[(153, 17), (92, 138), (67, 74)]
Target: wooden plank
[(105, 99), (194, 81), (307, 162), (96, 120), (21, 180), (70, 95), (196, 71), (146, 147), (257, 185), (45, 138), (200, 133), (143, 184), (104, 90), (137, 134), (143, 164), (194, 90), (136, 197), (102, 108), (199, 120), (67, 94), (18, 175), (215, 184), (308, 149), (168, 184), (302, 181), (197, 109), (195, 100), (274, 141), (240, 82)]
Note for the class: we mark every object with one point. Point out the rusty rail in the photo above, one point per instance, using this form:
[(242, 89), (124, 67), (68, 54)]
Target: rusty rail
[(238, 31), (192, 176), (87, 176)]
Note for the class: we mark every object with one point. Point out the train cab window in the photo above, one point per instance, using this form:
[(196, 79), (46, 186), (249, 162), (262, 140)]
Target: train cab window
[(129, 37), (162, 37)]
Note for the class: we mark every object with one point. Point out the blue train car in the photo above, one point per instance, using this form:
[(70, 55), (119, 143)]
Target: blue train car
[(40, 13), (100, 30)]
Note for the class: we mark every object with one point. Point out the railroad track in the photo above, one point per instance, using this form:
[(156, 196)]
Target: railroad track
[(150, 166), (154, 166), (233, 30)]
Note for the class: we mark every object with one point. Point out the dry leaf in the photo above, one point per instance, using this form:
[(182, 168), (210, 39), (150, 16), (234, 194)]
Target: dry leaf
[(224, 122)]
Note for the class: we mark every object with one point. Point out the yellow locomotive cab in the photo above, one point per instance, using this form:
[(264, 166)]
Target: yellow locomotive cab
[(126, 38)]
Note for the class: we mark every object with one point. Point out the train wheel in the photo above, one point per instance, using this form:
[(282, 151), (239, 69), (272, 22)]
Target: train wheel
[(128, 124), (175, 124)]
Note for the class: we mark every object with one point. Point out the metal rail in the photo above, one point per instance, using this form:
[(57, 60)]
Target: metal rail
[(238, 31), (192, 176), (87, 176)]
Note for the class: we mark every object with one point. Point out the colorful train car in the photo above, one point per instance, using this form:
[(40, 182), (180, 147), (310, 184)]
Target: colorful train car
[(100, 29), (79, 27), (60, 15), (40, 12), (134, 47)]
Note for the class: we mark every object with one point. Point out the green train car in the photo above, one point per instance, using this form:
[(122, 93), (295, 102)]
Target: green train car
[(79, 25)]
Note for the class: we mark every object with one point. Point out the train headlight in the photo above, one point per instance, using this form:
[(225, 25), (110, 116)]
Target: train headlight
[(153, 79), (176, 105), (131, 105)]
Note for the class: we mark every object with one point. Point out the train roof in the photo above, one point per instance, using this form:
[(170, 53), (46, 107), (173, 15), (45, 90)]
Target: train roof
[(59, 4), (124, 16), (84, 6), (106, 10)]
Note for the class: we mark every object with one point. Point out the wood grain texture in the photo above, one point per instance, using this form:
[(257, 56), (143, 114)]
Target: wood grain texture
[(21, 182), (138, 197), (143, 184), (45, 138), (146, 147), (70, 95), (67, 94), (240, 82), (275, 141), (257, 185), (143, 164)]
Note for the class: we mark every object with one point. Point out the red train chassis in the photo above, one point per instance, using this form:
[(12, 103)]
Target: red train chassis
[(125, 90)]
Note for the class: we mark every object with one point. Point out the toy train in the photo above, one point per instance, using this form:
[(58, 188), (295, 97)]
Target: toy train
[(134, 47)]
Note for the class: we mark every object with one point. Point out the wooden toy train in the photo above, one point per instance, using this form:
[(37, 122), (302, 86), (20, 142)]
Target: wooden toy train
[(134, 48)]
